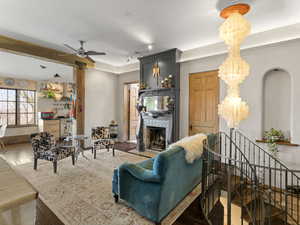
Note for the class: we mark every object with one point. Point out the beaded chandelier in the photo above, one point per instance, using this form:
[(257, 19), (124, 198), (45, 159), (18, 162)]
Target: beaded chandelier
[(234, 70)]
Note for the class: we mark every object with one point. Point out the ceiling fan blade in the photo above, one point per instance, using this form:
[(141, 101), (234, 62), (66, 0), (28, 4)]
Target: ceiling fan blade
[(89, 58), (94, 53), (70, 47)]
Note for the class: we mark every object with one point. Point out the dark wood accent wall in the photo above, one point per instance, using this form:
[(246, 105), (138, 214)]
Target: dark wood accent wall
[(29, 49), (80, 101), (168, 63)]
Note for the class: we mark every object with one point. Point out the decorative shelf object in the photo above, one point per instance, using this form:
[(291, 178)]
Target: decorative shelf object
[(279, 143), (156, 89)]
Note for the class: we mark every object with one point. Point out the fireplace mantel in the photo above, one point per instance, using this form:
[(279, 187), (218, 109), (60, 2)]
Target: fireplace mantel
[(168, 64)]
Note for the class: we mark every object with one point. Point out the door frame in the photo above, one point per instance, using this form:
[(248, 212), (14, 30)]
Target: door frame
[(219, 86), (126, 115)]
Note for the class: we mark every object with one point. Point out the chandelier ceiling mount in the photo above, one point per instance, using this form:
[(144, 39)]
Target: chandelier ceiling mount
[(240, 8)]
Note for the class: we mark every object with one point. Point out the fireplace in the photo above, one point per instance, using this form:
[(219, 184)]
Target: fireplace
[(156, 138), (157, 132), (158, 105)]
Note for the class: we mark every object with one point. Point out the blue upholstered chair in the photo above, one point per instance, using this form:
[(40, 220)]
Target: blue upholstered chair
[(154, 187)]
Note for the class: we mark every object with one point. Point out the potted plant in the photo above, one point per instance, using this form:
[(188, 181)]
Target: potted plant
[(49, 94), (272, 137)]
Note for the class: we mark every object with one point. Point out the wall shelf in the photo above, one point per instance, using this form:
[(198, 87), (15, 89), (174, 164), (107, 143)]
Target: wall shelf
[(156, 89), (280, 143)]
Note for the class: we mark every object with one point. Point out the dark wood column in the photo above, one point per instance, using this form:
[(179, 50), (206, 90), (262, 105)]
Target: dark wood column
[(80, 100), (29, 49)]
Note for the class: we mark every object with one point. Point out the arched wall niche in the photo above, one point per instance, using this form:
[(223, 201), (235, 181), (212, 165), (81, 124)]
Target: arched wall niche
[(277, 100)]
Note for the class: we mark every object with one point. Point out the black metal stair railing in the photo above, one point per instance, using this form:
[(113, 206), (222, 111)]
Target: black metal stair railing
[(253, 178), (226, 167), (274, 178)]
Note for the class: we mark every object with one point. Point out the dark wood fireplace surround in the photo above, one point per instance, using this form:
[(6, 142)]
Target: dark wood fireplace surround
[(168, 64)]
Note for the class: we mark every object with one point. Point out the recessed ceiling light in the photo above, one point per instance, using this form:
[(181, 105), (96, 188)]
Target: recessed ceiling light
[(57, 76), (150, 47)]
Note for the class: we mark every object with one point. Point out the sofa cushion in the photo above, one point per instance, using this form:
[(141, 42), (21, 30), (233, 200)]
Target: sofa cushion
[(147, 164)]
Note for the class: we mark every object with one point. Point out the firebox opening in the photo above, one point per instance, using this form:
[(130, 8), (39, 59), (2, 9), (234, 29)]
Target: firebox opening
[(156, 138)]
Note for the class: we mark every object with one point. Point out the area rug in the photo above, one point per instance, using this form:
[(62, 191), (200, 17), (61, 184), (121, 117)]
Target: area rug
[(125, 146), (81, 194)]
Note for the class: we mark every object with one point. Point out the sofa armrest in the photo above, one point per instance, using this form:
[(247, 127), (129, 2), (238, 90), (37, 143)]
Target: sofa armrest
[(140, 173)]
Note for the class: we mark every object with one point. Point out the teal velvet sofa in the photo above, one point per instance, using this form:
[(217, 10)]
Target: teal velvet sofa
[(154, 187)]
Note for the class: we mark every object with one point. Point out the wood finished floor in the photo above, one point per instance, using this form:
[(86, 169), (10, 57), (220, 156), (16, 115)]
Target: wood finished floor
[(22, 153), (17, 154)]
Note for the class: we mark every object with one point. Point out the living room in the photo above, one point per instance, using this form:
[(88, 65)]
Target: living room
[(160, 109)]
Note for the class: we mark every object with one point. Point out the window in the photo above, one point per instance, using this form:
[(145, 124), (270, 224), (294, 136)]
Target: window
[(17, 107), (8, 106)]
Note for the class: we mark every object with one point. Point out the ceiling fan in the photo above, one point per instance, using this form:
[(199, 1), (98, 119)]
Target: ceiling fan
[(81, 52)]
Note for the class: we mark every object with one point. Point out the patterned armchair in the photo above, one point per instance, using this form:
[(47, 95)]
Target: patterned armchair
[(101, 138), (44, 147)]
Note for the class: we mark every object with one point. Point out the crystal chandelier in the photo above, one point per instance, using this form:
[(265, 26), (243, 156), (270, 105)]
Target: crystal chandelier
[(234, 70)]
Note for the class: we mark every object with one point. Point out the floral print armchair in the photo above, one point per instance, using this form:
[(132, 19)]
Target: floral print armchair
[(44, 147), (101, 138)]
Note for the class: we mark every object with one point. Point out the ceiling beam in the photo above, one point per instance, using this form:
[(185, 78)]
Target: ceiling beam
[(29, 49)]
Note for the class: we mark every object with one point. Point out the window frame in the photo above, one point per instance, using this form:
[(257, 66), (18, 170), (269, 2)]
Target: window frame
[(18, 111)]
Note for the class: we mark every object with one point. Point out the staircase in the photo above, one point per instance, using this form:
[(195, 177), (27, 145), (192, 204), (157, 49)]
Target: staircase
[(254, 180)]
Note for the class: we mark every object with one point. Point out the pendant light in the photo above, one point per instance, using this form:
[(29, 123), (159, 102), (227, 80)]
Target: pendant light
[(234, 70)]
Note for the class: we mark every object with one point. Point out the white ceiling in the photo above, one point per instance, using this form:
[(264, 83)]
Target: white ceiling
[(121, 27), (24, 67)]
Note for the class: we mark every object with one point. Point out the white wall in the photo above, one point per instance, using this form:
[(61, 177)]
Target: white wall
[(123, 79), (100, 98), (101, 102), (283, 55), (277, 101), (50, 105)]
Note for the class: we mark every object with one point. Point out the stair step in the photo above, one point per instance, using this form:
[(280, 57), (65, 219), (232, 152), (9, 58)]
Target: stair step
[(278, 200), (270, 212), (281, 204)]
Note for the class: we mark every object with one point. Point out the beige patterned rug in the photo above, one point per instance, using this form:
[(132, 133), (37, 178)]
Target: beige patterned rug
[(81, 194)]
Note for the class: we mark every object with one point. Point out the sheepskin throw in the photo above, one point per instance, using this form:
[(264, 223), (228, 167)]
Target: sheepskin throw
[(193, 146)]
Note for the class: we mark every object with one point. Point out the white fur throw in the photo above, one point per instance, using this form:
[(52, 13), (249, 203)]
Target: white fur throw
[(193, 146)]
